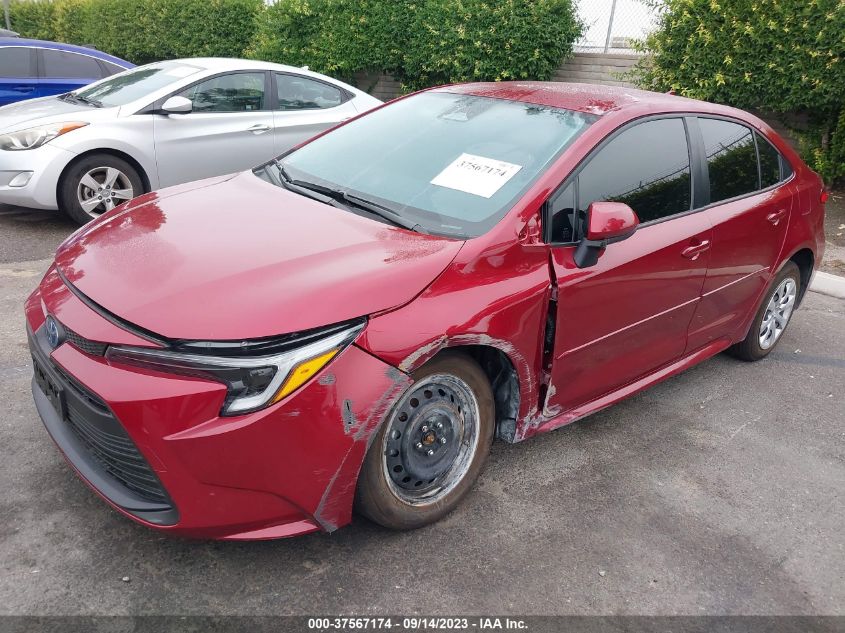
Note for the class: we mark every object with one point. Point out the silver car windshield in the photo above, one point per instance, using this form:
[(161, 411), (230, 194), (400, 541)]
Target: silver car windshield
[(451, 164), (136, 83)]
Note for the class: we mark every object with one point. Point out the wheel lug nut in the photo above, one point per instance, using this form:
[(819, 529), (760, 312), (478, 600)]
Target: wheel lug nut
[(430, 452), (419, 445), (439, 425), (442, 440), (424, 428)]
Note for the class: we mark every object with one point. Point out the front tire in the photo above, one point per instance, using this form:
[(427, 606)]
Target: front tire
[(431, 448), (773, 316), (96, 184)]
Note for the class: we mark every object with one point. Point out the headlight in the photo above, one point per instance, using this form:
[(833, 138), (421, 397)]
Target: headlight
[(252, 382), (33, 137)]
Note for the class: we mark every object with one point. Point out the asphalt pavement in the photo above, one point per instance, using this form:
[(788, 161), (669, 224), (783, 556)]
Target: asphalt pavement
[(719, 491)]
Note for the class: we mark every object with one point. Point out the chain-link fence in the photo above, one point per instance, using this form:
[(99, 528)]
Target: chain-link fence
[(612, 25)]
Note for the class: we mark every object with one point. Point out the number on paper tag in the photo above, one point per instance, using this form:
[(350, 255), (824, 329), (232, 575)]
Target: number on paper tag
[(476, 175)]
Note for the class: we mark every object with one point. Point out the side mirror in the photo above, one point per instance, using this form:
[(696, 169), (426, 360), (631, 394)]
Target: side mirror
[(607, 222), (177, 105)]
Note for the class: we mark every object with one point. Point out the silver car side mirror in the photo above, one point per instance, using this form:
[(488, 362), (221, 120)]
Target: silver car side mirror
[(177, 105)]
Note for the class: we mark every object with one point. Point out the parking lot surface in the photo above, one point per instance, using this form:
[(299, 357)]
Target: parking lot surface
[(719, 491)]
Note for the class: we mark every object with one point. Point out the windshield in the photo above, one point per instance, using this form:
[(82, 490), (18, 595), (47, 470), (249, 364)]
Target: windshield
[(134, 84), (451, 163)]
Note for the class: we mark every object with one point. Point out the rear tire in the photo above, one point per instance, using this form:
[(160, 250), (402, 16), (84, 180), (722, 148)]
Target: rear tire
[(772, 317), (96, 184), (431, 448)]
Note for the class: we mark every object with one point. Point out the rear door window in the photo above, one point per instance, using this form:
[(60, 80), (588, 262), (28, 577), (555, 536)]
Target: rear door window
[(646, 166), (15, 62), (66, 65), (300, 93), (731, 159)]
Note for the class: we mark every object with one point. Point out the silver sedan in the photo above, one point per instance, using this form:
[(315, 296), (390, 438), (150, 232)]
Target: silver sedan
[(159, 125)]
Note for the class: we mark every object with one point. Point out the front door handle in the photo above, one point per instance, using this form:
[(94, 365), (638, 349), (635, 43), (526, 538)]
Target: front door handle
[(258, 128), (692, 252), (776, 217), (24, 89)]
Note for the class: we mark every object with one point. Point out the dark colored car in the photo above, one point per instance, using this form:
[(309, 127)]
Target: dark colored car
[(35, 68), (352, 324)]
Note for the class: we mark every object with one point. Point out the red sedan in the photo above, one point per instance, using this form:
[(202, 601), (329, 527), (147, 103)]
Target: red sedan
[(352, 324)]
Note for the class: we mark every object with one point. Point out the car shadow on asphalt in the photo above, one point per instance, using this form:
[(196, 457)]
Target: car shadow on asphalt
[(30, 234)]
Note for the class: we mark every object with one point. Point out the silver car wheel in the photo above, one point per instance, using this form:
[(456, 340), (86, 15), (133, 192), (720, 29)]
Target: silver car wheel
[(778, 311), (431, 440), (102, 189)]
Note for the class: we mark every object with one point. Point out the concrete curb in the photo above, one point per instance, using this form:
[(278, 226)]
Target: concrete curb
[(827, 284)]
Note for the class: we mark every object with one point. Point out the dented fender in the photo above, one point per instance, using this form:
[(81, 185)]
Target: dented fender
[(489, 297)]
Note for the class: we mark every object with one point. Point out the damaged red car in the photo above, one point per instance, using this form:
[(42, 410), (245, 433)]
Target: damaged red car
[(352, 324)]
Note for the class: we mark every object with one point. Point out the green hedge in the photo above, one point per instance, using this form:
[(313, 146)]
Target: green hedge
[(773, 55), (421, 42), (143, 31), (33, 18), (335, 37)]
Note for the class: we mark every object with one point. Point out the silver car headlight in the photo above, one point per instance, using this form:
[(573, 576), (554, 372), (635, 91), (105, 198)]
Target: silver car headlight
[(252, 382), (34, 137)]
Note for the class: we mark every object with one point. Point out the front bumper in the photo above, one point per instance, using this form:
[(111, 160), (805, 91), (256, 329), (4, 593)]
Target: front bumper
[(40, 169), (286, 470)]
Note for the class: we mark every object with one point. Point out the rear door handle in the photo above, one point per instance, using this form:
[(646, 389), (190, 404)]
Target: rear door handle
[(24, 89), (258, 128), (776, 217), (692, 252)]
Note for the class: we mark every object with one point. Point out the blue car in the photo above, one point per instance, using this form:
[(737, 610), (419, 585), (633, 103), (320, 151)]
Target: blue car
[(35, 68)]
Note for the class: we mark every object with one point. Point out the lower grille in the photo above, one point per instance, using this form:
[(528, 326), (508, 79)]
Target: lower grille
[(94, 440), (81, 390), (118, 456)]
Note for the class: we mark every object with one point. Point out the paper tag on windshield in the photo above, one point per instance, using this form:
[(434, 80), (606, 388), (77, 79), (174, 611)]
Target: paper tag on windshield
[(476, 175)]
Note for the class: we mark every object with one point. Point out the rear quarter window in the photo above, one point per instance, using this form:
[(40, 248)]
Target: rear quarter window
[(770, 161), (111, 69)]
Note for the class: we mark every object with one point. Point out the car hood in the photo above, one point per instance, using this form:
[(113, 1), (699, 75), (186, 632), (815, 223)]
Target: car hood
[(238, 258), (24, 114)]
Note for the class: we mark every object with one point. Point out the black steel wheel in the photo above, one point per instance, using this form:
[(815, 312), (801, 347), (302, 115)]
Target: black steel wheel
[(431, 447)]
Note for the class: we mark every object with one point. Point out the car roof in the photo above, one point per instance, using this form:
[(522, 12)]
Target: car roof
[(590, 98), (234, 63), (226, 64), (93, 52)]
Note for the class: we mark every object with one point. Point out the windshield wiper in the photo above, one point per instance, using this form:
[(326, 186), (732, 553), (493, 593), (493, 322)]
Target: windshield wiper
[(293, 185), (94, 102), (339, 195), (70, 96), (380, 210)]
